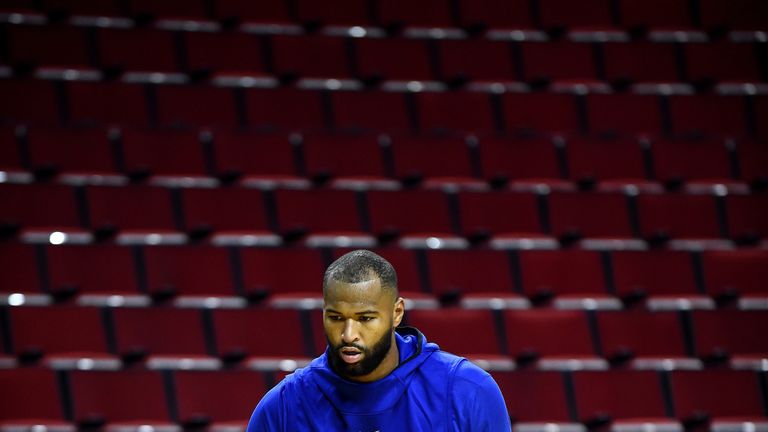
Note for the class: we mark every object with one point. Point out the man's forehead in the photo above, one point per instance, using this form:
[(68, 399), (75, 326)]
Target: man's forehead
[(364, 293)]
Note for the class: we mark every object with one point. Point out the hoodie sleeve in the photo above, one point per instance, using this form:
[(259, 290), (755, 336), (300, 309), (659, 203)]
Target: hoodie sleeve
[(268, 415), (478, 403)]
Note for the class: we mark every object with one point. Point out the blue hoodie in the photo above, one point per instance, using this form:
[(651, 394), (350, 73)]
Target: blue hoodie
[(430, 390)]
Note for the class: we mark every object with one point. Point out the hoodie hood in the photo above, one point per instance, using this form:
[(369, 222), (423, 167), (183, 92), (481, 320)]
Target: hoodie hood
[(356, 398)]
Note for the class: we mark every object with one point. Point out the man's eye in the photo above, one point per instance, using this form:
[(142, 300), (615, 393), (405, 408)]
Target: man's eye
[(366, 318), (334, 318)]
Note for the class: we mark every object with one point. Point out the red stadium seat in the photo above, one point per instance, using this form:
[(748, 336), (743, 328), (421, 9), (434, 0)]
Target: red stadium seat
[(430, 212), (94, 104), (553, 61), (708, 114), (551, 337), (533, 396), (319, 211), (344, 156), (541, 112), (646, 338), (140, 50), (503, 158), (272, 11), (747, 216), (135, 397), (590, 214), (243, 332), (10, 152), (194, 9), (722, 61), (613, 160), (678, 216), (432, 13), (195, 271), (499, 213), (370, 111), (238, 391), (645, 14), (562, 13), (310, 56), (181, 106), (131, 209), (661, 277), (225, 211), (21, 274), (672, 160), (254, 155), (730, 333), (284, 109), (163, 152), (565, 274), (223, 53), (491, 272), (753, 161), (393, 59), (460, 111), (740, 272), (624, 113), (100, 269), (640, 61), (30, 397), (160, 333), (273, 271), (90, 8), (49, 46), (476, 60), (736, 15), (28, 207), (345, 13), (416, 157), (59, 334), (34, 102), (623, 397), (71, 151), (513, 14)]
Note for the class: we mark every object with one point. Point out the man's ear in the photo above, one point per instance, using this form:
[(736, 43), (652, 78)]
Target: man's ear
[(399, 311)]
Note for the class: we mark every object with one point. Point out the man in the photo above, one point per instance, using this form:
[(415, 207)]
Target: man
[(374, 376)]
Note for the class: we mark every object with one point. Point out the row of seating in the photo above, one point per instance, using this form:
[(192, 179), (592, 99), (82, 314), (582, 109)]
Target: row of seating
[(661, 279), (228, 153), (183, 338), (385, 214), (708, 14), (41, 102), (375, 59), (182, 398)]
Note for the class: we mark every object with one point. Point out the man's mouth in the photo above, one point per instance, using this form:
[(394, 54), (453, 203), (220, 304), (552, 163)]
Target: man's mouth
[(351, 355)]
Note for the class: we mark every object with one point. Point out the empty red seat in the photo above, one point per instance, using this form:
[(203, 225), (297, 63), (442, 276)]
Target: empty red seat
[(181, 106), (58, 332), (189, 271), (565, 273), (592, 158), (645, 14), (503, 158), (425, 157), (640, 61), (641, 335), (718, 395), (310, 56), (730, 332), (678, 216), (238, 391), (460, 111), (432, 13), (737, 15), (140, 50), (498, 213), (346, 13), (672, 159), (753, 161), (317, 211), (370, 111), (93, 269), (30, 397), (28, 207), (493, 275), (562, 13), (71, 151), (539, 112), (624, 113), (357, 156), (652, 274), (195, 9), (273, 271), (430, 212), (590, 214), (242, 332), (284, 109), (272, 11), (163, 152), (552, 61), (49, 46), (761, 115), (741, 272), (722, 61), (223, 53), (496, 14), (547, 334), (225, 210), (131, 208), (34, 102), (159, 331), (708, 114), (251, 154), (118, 398), (476, 60), (464, 332), (620, 396), (544, 399), (92, 8), (21, 274), (93, 104), (747, 216), (393, 59), (10, 155)]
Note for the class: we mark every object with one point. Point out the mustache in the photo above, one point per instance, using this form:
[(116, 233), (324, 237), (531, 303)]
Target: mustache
[(342, 346)]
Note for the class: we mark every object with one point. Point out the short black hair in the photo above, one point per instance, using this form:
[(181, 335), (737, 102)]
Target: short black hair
[(358, 266)]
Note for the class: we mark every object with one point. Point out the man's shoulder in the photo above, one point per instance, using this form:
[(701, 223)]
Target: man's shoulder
[(459, 368)]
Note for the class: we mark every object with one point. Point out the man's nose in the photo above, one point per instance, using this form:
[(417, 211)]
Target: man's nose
[(349, 334)]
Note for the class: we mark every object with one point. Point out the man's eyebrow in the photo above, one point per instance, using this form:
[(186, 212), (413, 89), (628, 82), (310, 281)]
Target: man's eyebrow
[(366, 312)]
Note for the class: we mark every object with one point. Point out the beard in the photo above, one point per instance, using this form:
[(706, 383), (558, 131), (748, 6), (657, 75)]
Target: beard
[(372, 357)]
